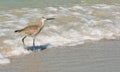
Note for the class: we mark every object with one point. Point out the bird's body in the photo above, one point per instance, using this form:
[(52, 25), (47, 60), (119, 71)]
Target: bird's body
[(32, 30)]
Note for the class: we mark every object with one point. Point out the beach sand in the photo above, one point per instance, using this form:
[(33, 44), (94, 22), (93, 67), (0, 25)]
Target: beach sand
[(102, 56)]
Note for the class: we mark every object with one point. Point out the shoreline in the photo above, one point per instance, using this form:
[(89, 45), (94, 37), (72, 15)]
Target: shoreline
[(90, 57)]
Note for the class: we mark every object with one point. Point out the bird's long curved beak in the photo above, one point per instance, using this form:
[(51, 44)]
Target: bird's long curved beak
[(50, 18)]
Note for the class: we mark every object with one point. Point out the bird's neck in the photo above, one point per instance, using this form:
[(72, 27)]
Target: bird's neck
[(41, 23)]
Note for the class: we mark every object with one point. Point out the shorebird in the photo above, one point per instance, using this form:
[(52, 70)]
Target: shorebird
[(32, 30)]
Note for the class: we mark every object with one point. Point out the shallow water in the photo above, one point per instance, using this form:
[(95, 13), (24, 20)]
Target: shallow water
[(76, 22)]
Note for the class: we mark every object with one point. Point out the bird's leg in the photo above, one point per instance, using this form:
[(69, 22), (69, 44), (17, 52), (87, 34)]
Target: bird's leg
[(33, 41), (23, 40)]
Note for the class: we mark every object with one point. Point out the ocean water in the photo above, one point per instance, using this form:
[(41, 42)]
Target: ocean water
[(76, 21)]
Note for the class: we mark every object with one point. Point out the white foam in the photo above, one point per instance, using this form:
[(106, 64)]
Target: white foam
[(18, 51), (76, 13), (8, 42), (23, 21), (77, 7), (51, 9), (102, 6), (51, 15), (109, 35), (1, 47), (92, 38), (2, 34), (4, 60), (63, 8)]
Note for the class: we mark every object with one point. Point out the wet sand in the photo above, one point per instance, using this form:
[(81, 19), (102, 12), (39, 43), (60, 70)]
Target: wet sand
[(103, 56)]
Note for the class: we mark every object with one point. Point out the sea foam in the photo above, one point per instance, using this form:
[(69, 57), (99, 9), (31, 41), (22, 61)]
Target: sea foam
[(4, 60)]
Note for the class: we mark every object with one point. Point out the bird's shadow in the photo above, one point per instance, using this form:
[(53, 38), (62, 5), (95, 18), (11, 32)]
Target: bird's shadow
[(35, 48)]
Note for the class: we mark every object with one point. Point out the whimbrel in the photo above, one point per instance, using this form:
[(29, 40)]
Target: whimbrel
[(32, 30)]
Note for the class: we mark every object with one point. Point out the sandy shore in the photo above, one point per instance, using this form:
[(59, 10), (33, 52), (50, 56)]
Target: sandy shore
[(101, 56)]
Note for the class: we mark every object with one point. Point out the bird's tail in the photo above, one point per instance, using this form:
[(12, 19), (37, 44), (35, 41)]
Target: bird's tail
[(17, 31)]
